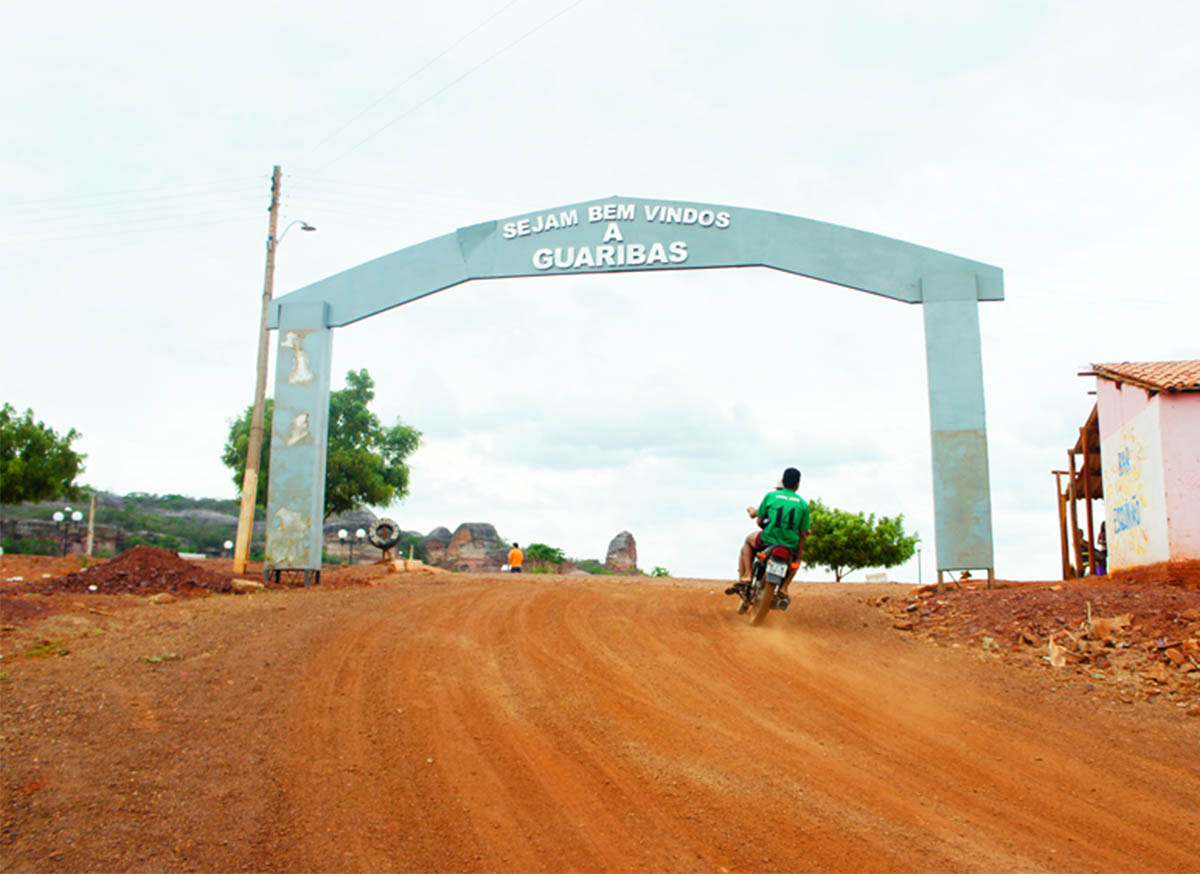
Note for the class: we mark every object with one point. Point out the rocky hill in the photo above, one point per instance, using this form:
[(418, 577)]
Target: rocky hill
[(203, 526)]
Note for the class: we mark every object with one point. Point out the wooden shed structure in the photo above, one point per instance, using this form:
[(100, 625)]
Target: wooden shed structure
[(1082, 481)]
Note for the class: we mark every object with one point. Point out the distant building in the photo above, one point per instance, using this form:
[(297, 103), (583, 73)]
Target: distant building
[(1149, 429)]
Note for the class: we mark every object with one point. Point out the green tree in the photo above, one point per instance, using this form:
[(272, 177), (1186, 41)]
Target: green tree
[(36, 464), (842, 542), (545, 557), (365, 463)]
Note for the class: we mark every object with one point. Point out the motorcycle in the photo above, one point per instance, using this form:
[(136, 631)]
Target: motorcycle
[(762, 593)]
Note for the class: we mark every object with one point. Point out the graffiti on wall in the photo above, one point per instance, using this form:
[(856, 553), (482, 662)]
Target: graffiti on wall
[(1134, 495)]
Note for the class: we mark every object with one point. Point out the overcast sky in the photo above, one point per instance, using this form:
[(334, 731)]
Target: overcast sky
[(1055, 140)]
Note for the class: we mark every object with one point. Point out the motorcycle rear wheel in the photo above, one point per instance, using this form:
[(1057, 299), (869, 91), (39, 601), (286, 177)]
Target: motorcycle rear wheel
[(761, 603)]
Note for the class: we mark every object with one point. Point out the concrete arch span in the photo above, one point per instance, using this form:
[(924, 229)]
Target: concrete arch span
[(625, 234)]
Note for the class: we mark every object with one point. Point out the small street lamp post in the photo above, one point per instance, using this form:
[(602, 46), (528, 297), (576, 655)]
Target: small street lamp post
[(360, 535), (64, 519), (342, 535)]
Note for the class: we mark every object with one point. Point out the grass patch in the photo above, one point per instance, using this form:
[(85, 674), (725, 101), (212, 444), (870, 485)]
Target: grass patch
[(46, 648), (160, 658)]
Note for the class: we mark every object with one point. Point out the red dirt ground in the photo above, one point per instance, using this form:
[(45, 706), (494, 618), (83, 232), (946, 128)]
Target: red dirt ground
[(491, 723)]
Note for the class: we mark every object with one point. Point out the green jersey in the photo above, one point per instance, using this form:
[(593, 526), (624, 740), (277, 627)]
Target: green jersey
[(784, 515)]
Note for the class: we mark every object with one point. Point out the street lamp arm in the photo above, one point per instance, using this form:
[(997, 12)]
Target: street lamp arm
[(273, 242)]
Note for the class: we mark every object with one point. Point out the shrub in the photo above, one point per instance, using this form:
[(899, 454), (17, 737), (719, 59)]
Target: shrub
[(544, 558), (31, 546)]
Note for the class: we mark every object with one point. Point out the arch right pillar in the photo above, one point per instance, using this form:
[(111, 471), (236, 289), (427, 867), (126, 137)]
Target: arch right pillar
[(962, 501)]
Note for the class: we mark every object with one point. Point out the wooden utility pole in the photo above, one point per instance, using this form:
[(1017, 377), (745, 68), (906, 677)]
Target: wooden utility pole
[(241, 551), (91, 538)]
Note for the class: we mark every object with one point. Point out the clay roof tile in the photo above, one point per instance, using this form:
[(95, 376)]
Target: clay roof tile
[(1168, 376)]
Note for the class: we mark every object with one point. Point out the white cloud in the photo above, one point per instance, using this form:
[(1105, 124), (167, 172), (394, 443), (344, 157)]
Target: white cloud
[(1055, 142)]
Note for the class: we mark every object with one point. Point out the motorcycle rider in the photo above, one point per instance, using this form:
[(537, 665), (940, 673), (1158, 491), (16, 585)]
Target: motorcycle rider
[(783, 519)]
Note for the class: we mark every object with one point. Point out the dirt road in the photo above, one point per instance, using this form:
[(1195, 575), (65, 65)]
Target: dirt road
[(527, 724)]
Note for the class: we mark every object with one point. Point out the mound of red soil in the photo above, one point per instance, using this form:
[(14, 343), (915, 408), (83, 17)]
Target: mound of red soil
[(1151, 645), (143, 570)]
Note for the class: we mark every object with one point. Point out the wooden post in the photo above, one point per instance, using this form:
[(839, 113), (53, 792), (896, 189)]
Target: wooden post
[(1087, 498), (1061, 500), (1077, 553)]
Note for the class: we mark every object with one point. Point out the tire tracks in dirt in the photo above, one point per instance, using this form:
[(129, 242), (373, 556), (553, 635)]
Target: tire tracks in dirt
[(500, 724)]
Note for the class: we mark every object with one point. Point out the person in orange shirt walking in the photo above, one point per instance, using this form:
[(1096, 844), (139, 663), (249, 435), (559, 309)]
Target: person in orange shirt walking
[(516, 558)]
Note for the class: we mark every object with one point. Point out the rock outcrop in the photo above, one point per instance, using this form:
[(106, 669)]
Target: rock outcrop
[(476, 547), (622, 554), (434, 543)]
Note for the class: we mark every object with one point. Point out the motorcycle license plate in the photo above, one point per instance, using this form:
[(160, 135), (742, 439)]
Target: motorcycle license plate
[(777, 569)]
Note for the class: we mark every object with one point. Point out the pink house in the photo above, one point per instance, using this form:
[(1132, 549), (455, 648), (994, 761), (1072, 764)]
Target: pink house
[(1149, 421)]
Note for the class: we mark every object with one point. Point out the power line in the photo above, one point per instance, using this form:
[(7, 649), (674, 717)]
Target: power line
[(241, 182), (121, 212), (417, 72), (454, 82), (153, 224)]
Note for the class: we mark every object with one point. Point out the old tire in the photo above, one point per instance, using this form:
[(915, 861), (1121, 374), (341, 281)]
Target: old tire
[(383, 533)]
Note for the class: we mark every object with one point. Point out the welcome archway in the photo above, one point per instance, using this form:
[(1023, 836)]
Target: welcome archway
[(621, 234)]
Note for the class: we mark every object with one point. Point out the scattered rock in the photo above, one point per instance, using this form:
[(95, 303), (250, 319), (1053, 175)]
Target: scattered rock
[(247, 587), (413, 565), (1058, 654), (1157, 673), (1106, 629), (163, 598)]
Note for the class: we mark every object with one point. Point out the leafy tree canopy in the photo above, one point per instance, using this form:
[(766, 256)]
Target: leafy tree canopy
[(365, 464), (842, 542), (36, 464), (541, 554)]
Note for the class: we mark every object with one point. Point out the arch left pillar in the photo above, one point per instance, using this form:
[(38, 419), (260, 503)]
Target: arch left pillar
[(299, 431)]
